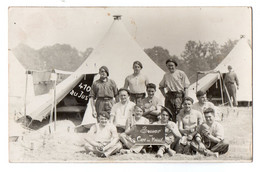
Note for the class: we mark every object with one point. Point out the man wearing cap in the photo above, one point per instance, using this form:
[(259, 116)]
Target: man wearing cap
[(202, 103), (151, 104), (232, 84), (122, 110), (137, 83), (102, 138), (102, 93), (211, 139), (176, 84)]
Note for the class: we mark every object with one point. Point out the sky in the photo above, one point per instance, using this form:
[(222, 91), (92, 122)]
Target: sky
[(169, 27)]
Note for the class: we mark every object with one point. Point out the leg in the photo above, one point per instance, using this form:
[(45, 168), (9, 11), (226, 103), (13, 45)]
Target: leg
[(160, 152), (126, 142), (234, 95), (169, 104), (89, 148), (114, 149), (221, 147)]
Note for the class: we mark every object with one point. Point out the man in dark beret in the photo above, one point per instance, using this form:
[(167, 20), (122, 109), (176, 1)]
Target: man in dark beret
[(102, 93), (174, 87), (137, 83)]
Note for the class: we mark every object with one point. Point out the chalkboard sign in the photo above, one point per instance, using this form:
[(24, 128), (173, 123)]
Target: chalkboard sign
[(152, 134)]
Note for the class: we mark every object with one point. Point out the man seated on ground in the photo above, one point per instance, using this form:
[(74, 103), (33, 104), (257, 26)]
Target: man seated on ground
[(172, 134), (188, 121), (211, 139), (151, 104), (126, 137), (202, 103), (102, 138), (122, 110)]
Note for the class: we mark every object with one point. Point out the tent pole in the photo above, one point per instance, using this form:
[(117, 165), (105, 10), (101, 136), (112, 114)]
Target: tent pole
[(25, 93), (221, 89), (55, 106), (197, 81)]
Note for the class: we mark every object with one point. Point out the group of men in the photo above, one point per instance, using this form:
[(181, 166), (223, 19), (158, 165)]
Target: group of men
[(189, 128)]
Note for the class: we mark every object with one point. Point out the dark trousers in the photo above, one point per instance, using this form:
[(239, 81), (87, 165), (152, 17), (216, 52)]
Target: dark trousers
[(173, 101), (137, 98), (232, 91)]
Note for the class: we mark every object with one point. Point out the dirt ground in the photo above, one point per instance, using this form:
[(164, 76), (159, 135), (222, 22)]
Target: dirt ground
[(64, 145)]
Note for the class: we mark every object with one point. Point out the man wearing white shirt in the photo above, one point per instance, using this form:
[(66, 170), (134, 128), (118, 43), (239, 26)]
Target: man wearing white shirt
[(122, 110)]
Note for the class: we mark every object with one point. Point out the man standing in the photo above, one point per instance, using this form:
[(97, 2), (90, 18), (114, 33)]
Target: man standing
[(176, 83), (136, 83), (102, 93), (230, 81)]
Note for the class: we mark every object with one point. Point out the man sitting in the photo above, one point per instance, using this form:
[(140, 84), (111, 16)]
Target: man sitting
[(102, 138), (211, 139), (151, 104)]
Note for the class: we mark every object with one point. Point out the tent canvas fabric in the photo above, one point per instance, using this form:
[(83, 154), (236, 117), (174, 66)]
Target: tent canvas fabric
[(240, 58), (118, 50), (17, 84)]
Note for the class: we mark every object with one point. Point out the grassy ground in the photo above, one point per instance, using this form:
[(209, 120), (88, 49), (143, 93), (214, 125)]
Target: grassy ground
[(38, 146)]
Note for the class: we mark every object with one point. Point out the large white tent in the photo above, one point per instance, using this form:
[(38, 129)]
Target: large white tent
[(117, 50), (240, 58)]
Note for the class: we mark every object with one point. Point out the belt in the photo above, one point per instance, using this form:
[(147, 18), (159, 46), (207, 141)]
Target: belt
[(231, 83), (104, 98)]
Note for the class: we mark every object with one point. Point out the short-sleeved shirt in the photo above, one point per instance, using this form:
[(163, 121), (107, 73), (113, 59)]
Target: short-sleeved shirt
[(151, 104), (191, 119), (137, 84), (216, 130), (102, 135), (122, 112), (231, 78), (176, 81), (101, 89)]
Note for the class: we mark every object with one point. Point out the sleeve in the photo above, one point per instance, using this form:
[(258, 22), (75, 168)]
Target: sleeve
[(92, 130), (219, 131), (93, 91), (236, 79), (162, 84), (186, 81), (115, 90)]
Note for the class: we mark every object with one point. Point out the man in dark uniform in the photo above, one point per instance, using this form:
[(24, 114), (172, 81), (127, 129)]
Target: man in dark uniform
[(232, 84), (102, 93)]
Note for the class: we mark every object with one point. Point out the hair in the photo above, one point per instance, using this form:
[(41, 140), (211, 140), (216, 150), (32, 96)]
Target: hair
[(209, 110), (188, 99), (200, 93), (151, 85), (139, 106), (138, 63), (124, 89)]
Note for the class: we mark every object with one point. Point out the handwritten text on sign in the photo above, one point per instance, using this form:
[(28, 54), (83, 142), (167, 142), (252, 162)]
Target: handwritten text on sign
[(149, 134), (83, 88)]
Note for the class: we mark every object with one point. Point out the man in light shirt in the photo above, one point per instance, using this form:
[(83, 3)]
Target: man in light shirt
[(137, 83), (122, 110), (176, 84)]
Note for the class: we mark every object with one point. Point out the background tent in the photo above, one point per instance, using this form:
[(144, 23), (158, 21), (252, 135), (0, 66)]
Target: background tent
[(17, 84), (240, 58), (118, 50)]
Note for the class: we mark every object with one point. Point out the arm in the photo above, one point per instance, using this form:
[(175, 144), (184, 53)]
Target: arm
[(181, 129), (90, 135), (174, 130), (237, 82), (186, 84), (126, 83), (162, 91), (92, 104)]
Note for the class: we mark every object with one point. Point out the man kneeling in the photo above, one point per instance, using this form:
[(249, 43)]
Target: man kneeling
[(102, 138), (211, 141)]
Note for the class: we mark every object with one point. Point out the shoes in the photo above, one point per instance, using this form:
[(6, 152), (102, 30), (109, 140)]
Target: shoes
[(143, 151), (125, 151), (103, 155), (159, 154)]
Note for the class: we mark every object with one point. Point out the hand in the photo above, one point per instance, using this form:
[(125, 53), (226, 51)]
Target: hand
[(94, 114), (201, 147)]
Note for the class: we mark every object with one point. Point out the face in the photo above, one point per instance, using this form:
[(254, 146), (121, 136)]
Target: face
[(138, 112), (187, 105), (103, 121), (202, 99), (165, 116), (102, 73), (210, 118), (171, 66), (150, 92), (137, 68), (123, 96), (229, 69)]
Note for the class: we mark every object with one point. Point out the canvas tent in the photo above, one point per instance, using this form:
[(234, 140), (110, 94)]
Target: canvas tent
[(117, 50), (17, 84), (240, 58)]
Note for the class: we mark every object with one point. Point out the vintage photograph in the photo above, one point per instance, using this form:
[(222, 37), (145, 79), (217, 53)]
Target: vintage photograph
[(130, 84)]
